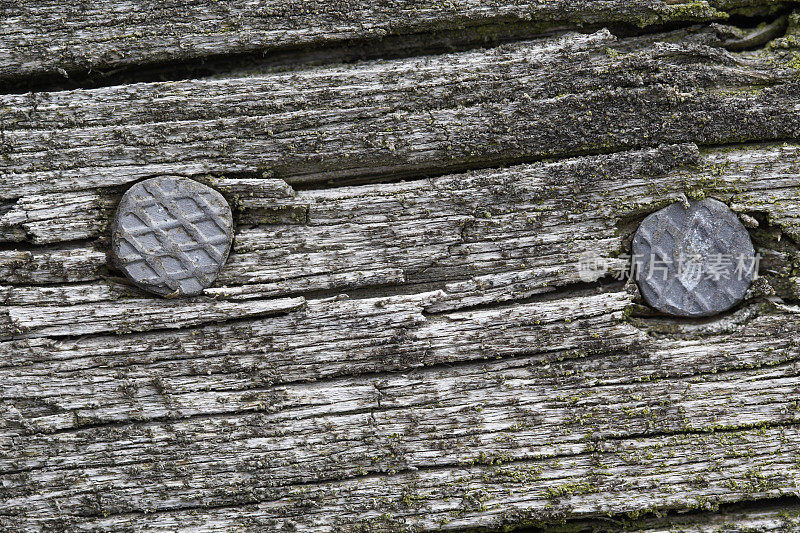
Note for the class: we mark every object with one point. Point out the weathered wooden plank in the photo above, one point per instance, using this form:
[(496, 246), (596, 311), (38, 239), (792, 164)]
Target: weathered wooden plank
[(553, 403), (439, 417), (551, 97), (418, 411), (191, 361), (133, 315), (483, 237), (46, 37), (621, 475), (325, 339)]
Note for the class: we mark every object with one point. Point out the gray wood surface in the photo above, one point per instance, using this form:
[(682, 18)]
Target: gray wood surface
[(401, 340), (44, 37)]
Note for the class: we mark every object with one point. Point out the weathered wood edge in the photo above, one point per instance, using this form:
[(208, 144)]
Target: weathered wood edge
[(570, 95), (659, 472), (47, 39), (779, 515), (483, 237)]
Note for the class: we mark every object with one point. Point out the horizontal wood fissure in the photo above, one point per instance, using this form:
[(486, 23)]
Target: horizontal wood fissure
[(559, 403), (483, 237), (546, 98), (42, 37), (774, 515), (497, 386)]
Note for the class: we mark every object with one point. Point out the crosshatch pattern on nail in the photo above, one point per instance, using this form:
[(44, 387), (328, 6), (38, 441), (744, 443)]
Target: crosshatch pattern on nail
[(172, 235), (674, 252)]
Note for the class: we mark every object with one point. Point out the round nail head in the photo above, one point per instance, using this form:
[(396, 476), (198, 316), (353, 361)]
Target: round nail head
[(693, 261), (171, 235)]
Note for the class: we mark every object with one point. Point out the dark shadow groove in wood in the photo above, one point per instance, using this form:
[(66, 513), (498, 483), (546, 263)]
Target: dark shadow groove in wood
[(662, 520), (606, 284), (475, 34), (300, 183)]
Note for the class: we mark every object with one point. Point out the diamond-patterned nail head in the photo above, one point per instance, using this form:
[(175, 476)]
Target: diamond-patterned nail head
[(171, 235), (695, 261)]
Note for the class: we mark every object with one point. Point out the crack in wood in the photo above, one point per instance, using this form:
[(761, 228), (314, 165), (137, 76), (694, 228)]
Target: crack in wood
[(495, 388)]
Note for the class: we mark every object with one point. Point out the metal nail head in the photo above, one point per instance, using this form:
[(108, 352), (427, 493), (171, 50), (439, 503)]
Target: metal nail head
[(171, 235), (693, 261)]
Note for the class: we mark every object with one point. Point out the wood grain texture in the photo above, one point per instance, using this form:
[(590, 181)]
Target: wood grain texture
[(388, 355), (412, 117), (484, 237), (45, 37), (622, 475), (762, 517)]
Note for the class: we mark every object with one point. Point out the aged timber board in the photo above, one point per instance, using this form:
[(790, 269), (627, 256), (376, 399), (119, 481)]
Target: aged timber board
[(401, 338)]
